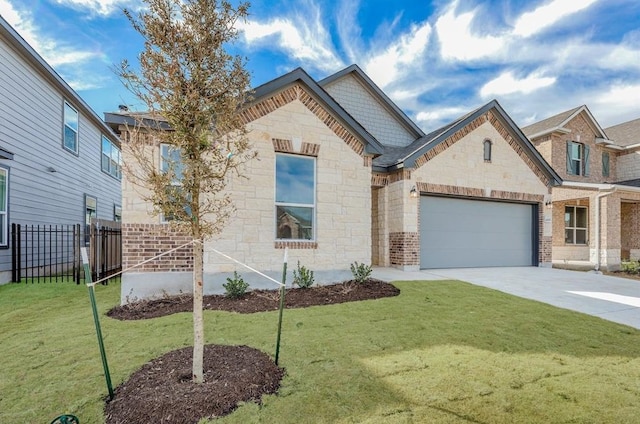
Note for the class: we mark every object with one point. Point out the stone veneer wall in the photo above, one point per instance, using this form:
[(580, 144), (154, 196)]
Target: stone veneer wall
[(141, 242), (290, 122)]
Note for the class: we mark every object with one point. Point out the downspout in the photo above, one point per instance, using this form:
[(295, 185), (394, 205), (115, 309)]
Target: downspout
[(597, 236)]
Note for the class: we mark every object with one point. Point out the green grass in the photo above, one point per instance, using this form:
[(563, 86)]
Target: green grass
[(442, 352)]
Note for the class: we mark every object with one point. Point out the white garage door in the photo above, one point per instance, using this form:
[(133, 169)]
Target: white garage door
[(457, 233)]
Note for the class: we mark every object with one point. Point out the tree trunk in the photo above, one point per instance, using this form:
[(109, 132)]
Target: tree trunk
[(198, 324)]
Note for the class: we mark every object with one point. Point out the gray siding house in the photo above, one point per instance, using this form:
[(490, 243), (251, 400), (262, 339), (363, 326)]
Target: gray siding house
[(59, 162)]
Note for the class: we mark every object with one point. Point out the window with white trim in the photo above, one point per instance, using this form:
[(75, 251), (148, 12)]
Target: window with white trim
[(4, 207), (111, 158), (90, 212), (576, 219), (577, 158), (295, 197), (117, 213), (70, 131)]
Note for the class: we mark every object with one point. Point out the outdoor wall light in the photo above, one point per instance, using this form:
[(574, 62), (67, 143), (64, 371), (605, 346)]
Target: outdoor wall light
[(414, 193)]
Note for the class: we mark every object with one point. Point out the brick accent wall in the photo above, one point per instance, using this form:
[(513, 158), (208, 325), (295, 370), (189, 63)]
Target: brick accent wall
[(144, 241), (545, 250), (404, 248)]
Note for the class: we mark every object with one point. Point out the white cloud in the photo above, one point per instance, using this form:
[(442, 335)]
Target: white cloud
[(545, 16), (618, 103), (458, 43), (58, 55), (506, 83), (303, 38), (440, 114), (383, 68), (99, 7), (348, 29)]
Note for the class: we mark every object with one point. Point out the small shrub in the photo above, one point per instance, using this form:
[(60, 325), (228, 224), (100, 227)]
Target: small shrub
[(361, 272), (235, 287), (631, 267), (303, 277)]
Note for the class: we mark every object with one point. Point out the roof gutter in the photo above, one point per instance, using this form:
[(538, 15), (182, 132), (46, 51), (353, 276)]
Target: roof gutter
[(600, 187)]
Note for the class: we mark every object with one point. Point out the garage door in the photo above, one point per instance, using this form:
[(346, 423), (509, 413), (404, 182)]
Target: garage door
[(457, 233)]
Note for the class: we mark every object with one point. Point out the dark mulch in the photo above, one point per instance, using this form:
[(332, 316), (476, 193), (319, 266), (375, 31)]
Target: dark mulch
[(259, 300), (162, 392)]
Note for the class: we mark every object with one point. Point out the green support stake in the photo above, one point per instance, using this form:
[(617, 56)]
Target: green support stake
[(282, 292), (96, 319)]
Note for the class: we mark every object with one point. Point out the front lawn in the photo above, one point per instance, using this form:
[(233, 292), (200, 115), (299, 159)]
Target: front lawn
[(442, 352)]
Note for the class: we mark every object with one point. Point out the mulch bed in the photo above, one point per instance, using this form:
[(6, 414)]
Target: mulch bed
[(162, 391), (259, 300)]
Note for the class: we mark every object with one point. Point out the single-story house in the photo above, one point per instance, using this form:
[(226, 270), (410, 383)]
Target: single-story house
[(596, 210), (343, 175)]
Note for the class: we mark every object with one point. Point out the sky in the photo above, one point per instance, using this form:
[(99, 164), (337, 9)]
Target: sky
[(437, 60)]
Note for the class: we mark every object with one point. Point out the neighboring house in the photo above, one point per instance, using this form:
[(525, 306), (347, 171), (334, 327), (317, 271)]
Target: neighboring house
[(596, 210), (59, 162), (344, 175)]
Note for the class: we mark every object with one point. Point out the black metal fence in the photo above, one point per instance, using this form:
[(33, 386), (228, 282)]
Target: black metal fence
[(51, 253)]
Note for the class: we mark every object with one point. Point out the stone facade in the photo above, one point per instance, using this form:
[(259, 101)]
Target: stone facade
[(343, 196), (510, 175)]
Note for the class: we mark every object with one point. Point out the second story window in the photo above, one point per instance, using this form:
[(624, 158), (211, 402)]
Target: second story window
[(70, 140), (111, 160), (577, 158), (605, 164)]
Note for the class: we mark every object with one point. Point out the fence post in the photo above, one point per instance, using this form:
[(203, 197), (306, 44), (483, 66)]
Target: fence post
[(15, 249), (76, 254)]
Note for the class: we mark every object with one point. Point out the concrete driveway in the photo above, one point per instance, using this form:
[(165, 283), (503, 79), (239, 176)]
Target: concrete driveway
[(611, 298)]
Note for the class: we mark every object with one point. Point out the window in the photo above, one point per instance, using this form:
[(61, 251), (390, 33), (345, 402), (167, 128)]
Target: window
[(90, 212), (111, 158), (577, 158), (70, 141), (575, 225), (605, 164), (295, 197), (4, 207), (117, 213), (487, 150), (170, 160)]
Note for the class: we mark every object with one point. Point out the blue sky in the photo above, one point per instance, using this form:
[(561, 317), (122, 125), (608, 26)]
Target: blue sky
[(437, 60)]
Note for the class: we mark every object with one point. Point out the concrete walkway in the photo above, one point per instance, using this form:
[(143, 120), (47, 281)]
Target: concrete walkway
[(611, 298)]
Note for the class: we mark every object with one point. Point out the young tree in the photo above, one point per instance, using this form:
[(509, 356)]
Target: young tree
[(194, 89)]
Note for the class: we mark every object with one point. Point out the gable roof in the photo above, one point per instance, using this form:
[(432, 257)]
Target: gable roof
[(625, 134), (298, 75), (36, 61), (557, 122), (378, 94), (408, 157)]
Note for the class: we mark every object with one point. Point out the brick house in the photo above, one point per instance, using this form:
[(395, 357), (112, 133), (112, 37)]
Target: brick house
[(596, 210), (344, 175)]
